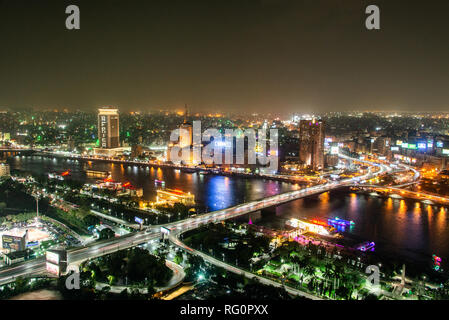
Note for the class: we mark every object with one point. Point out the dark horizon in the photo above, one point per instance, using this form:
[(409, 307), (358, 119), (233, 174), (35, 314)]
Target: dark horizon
[(229, 56)]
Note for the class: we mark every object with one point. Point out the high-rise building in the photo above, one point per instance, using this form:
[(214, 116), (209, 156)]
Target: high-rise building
[(4, 169), (311, 143), (186, 140), (382, 145), (108, 128)]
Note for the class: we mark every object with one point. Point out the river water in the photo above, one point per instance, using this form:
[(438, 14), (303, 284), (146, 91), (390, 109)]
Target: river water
[(406, 228)]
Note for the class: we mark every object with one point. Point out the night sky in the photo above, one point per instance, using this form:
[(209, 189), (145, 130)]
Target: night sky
[(240, 56)]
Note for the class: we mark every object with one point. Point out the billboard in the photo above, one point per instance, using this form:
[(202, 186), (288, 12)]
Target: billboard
[(138, 220), (13, 242), (56, 261), (52, 257), (165, 230), (103, 131), (32, 244), (334, 150)]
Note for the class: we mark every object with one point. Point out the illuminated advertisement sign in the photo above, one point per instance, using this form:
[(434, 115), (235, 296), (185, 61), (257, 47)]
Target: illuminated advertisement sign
[(445, 151), (412, 146), (334, 150), (399, 142), (13, 242), (421, 145), (103, 131), (52, 268), (394, 148), (439, 144), (404, 145), (32, 244), (429, 144), (52, 257), (223, 144), (138, 220)]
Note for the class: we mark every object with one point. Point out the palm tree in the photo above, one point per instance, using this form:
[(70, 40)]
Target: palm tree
[(328, 272), (338, 274), (309, 270), (296, 262)]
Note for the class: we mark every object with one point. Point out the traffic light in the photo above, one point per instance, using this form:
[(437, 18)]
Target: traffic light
[(436, 262)]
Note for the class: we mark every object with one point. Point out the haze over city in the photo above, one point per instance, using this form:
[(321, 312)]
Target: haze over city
[(256, 55)]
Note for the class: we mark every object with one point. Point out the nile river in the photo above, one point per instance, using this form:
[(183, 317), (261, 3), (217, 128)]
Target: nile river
[(408, 228)]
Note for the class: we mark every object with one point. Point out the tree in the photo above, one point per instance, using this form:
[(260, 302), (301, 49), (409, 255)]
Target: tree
[(328, 272), (309, 270), (150, 292), (178, 258)]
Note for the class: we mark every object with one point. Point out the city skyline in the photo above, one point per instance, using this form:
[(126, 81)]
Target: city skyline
[(288, 56), (213, 153)]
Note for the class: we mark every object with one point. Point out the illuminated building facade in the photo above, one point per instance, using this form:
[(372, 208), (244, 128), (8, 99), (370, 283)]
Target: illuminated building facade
[(108, 128), (311, 143), (168, 196), (4, 169), (185, 140), (108, 132)]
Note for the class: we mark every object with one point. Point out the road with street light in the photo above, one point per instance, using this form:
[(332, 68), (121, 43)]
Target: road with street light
[(100, 248)]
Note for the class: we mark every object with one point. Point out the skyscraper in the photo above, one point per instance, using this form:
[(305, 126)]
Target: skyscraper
[(185, 141), (311, 143), (108, 128)]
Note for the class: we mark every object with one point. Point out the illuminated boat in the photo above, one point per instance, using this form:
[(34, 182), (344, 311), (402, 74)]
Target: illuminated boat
[(159, 182), (310, 225), (340, 222), (366, 246)]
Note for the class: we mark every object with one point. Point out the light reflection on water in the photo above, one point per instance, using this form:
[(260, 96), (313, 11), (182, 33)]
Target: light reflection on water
[(406, 227), (214, 192)]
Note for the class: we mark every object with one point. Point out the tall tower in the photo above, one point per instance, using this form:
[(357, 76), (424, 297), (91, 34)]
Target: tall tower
[(108, 128), (183, 140), (311, 143)]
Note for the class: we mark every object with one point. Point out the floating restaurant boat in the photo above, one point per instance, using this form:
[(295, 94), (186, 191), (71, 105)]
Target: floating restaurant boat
[(310, 225), (366, 246), (97, 173), (340, 222)]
